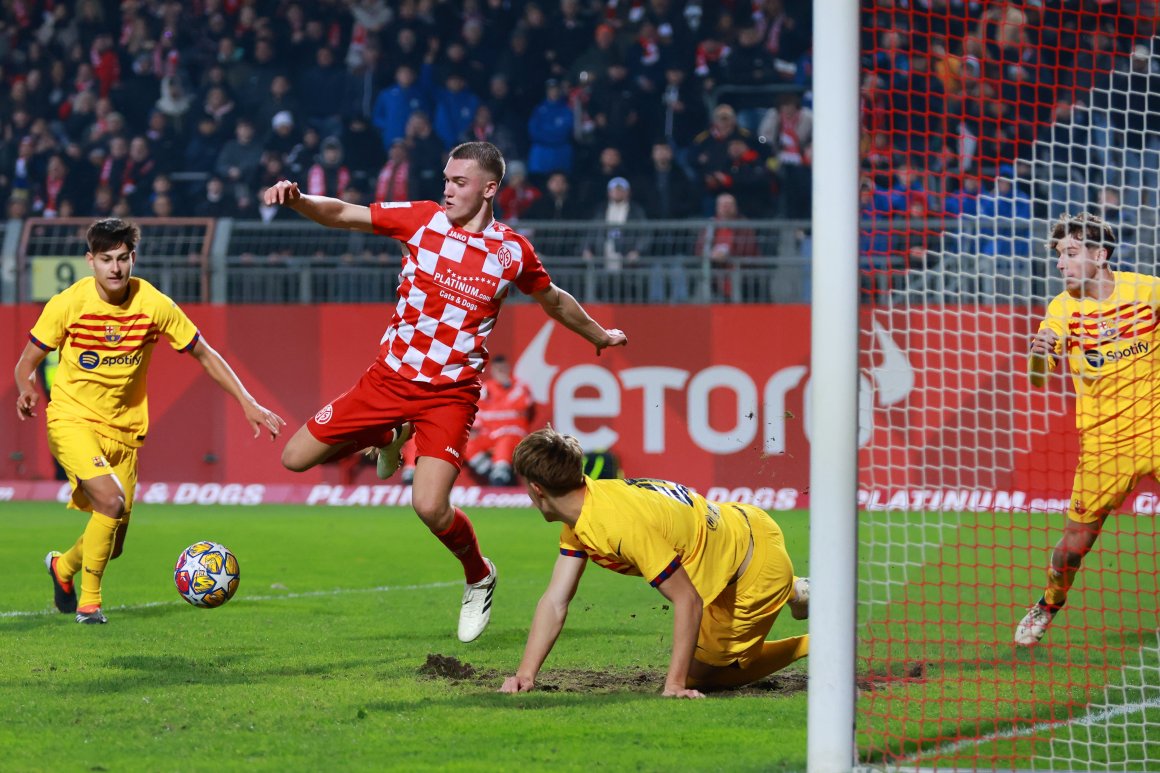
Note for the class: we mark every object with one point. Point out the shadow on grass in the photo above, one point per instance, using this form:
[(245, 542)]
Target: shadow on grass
[(126, 673)]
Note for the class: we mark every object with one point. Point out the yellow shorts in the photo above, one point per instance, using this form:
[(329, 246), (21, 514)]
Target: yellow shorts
[(735, 624), (1105, 476), (84, 455)]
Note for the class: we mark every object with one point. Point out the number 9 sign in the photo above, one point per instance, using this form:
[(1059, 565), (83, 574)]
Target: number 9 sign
[(50, 275)]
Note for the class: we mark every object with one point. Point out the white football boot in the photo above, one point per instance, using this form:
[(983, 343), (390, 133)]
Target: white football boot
[(1034, 624), (475, 612)]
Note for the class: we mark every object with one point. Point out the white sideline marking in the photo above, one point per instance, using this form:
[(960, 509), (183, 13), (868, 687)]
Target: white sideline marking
[(247, 598), (1087, 720)]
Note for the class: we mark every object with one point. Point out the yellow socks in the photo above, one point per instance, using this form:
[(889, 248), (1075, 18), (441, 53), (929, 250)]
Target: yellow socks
[(70, 561), (96, 545), (1058, 584)]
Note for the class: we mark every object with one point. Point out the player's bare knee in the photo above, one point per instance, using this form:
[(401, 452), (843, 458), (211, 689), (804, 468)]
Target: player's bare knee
[(294, 461), (435, 512)]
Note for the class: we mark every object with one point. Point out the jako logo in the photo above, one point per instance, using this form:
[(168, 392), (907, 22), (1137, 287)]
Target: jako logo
[(1097, 359)]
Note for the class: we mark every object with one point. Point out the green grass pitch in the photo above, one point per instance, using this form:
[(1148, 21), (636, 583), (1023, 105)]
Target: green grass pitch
[(317, 663), (941, 595)]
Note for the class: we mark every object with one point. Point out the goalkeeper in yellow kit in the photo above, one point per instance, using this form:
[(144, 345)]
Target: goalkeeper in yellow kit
[(105, 327), (723, 567), (1105, 325)]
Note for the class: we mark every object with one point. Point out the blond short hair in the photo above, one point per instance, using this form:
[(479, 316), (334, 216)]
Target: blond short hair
[(553, 461)]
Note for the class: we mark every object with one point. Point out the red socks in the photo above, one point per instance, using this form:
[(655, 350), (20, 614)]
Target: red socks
[(460, 540)]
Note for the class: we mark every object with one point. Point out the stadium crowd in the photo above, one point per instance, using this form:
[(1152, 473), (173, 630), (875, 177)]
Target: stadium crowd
[(165, 108), (1001, 113)]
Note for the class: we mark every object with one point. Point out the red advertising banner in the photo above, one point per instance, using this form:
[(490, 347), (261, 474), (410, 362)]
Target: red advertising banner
[(713, 396)]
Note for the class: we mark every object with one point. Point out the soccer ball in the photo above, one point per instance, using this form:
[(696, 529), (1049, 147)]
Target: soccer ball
[(206, 574)]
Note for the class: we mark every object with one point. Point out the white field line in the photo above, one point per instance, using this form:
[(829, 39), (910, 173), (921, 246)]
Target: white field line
[(1087, 720), (249, 599)]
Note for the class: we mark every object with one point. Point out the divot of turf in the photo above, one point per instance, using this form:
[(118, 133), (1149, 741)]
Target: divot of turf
[(447, 667)]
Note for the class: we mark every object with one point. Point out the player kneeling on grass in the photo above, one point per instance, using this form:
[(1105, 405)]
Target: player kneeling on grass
[(1104, 324), (723, 567), (105, 327)]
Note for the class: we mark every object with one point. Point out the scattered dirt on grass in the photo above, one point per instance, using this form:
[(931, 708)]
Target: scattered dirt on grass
[(788, 683), (907, 673), (586, 681), (579, 680)]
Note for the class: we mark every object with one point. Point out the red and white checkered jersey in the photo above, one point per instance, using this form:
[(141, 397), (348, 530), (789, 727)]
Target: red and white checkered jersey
[(451, 289)]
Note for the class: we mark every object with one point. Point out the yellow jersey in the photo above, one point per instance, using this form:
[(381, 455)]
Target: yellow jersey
[(648, 528), (1113, 351), (105, 351)]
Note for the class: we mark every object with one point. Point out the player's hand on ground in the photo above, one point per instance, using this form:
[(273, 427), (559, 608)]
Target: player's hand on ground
[(681, 692), (261, 418), (1043, 343), (514, 684), (26, 404), (282, 192), (615, 338)]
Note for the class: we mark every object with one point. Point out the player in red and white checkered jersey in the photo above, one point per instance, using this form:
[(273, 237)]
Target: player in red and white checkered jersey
[(459, 268)]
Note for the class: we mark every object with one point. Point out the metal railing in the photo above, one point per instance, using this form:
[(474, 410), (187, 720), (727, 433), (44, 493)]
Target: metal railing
[(173, 255), (971, 259), (305, 263)]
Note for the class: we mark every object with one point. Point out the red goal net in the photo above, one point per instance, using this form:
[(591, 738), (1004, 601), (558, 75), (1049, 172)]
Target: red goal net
[(983, 124)]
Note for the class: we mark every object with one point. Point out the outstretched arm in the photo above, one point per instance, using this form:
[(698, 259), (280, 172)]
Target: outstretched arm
[(687, 609), (547, 623), (27, 396), (220, 371), (562, 307), (333, 213)]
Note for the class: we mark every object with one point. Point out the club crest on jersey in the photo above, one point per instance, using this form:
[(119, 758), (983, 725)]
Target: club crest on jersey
[(505, 257), (324, 415), (111, 334), (99, 461)]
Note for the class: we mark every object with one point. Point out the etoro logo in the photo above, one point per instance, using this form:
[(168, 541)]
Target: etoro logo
[(587, 399)]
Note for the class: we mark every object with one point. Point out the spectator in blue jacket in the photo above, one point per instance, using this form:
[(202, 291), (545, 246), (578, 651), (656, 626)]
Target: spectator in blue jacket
[(964, 201), (455, 108), (394, 105), (550, 131), (1005, 221)]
